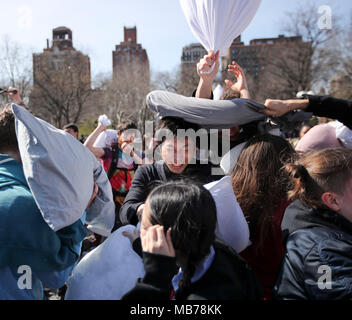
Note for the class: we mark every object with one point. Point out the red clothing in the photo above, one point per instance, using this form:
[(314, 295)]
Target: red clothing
[(266, 262)]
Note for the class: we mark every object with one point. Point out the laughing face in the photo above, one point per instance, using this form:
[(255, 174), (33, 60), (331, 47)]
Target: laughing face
[(177, 153)]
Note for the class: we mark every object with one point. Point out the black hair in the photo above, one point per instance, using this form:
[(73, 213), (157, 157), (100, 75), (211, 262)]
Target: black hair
[(175, 123), (8, 138), (123, 126), (189, 210), (169, 125), (71, 126)]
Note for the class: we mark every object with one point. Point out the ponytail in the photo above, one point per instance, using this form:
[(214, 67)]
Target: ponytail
[(319, 172), (185, 284)]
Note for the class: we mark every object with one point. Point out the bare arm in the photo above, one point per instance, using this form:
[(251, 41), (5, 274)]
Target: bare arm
[(98, 152), (277, 108), (205, 85)]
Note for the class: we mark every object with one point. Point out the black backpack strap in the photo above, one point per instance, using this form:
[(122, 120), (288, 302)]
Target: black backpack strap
[(115, 159)]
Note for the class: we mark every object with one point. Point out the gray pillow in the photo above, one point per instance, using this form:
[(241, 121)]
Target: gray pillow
[(61, 172)]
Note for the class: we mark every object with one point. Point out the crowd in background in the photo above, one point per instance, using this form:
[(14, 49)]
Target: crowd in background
[(277, 226)]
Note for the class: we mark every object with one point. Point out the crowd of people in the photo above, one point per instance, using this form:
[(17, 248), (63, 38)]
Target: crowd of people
[(277, 224)]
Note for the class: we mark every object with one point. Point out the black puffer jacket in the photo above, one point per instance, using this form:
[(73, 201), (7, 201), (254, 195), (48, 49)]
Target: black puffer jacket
[(318, 261)]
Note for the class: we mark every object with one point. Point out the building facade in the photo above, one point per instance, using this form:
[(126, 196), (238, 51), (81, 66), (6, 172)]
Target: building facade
[(130, 56), (254, 58), (61, 56)]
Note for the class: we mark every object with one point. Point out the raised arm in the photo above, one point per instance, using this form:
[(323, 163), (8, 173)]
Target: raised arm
[(204, 89), (241, 84), (98, 152)]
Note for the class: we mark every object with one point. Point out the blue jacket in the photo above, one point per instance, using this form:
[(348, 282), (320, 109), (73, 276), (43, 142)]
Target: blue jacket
[(318, 261), (31, 253)]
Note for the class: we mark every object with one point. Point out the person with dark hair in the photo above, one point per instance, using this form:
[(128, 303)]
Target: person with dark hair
[(31, 253), (178, 230), (118, 159), (317, 228), (260, 187), (177, 154), (72, 129)]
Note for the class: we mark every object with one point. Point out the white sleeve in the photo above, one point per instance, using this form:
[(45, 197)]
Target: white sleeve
[(105, 139), (100, 142), (231, 226)]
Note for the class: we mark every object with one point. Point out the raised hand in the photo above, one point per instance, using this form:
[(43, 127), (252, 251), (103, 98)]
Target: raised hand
[(205, 64), (155, 241), (241, 84), (14, 95)]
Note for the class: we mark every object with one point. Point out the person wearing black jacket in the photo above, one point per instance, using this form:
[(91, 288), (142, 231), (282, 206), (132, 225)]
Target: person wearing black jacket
[(176, 156), (320, 106), (318, 229), (182, 259)]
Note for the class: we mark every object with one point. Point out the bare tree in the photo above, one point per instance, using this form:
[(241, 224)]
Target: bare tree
[(61, 91), (341, 82), (15, 68), (166, 80), (123, 96), (303, 65)]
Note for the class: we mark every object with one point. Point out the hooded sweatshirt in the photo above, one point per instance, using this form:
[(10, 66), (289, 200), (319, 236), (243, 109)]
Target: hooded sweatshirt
[(30, 251)]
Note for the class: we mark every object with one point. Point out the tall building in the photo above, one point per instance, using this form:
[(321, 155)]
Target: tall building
[(130, 55), (61, 55), (253, 58), (191, 55)]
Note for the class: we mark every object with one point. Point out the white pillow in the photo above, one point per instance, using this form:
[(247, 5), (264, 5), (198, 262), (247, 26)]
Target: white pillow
[(107, 272)]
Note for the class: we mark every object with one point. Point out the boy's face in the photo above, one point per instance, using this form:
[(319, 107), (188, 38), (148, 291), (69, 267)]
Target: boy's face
[(71, 132), (177, 153)]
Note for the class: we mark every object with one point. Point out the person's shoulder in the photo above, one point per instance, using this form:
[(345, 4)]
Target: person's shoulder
[(152, 168), (232, 274), (17, 205), (307, 239), (227, 255)]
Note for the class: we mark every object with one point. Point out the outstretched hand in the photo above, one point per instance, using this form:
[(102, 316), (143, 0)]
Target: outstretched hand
[(275, 108), (155, 241), (241, 84)]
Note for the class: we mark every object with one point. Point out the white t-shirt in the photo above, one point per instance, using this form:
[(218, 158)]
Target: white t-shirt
[(231, 226), (106, 139)]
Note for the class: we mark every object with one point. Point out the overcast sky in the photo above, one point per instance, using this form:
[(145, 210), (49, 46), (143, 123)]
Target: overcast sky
[(161, 26)]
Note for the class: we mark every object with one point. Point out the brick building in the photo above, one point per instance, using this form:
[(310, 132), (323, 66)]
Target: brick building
[(61, 55), (130, 54), (253, 58)]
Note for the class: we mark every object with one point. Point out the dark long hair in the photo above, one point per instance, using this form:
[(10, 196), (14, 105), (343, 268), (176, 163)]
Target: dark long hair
[(259, 182), (189, 210)]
